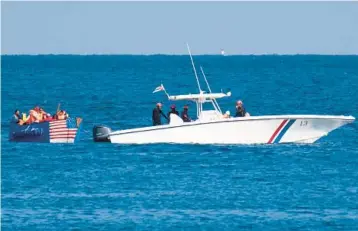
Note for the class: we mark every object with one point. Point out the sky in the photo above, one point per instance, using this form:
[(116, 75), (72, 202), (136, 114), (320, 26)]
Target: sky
[(166, 27)]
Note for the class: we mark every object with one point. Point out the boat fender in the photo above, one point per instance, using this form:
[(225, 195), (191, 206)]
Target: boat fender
[(101, 133)]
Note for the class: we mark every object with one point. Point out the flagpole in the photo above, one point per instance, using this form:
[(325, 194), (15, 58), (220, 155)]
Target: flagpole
[(165, 91)]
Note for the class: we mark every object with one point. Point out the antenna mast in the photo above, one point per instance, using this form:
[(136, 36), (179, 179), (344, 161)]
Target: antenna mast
[(202, 71), (215, 103), (192, 62)]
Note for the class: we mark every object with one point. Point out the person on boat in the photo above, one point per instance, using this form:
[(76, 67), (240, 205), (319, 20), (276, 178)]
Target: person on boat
[(172, 111), (16, 118), (240, 110), (61, 115), (42, 114), (55, 116), (226, 115), (184, 114), (34, 116), (66, 115), (47, 117), (157, 113)]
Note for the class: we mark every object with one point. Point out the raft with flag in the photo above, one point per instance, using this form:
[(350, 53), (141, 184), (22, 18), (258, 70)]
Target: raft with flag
[(55, 131)]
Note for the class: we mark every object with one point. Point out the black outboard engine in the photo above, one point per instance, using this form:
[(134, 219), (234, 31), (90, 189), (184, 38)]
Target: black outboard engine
[(101, 134)]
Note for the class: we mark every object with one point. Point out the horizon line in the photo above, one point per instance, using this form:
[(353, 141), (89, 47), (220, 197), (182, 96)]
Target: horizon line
[(184, 54)]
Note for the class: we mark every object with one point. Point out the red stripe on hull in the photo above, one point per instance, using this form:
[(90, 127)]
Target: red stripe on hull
[(277, 131)]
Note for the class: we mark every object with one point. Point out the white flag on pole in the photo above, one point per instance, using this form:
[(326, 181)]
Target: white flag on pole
[(160, 88)]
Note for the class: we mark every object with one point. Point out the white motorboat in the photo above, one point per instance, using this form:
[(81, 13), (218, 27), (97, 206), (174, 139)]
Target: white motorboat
[(211, 127)]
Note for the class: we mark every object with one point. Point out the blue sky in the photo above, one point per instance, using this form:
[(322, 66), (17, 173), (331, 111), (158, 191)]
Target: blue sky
[(165, 27)]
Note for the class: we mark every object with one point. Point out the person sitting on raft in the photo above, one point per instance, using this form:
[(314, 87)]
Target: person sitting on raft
[(16, 118), (35, 116), (45, 116), (42, 114), (38, 115), (62, 115)]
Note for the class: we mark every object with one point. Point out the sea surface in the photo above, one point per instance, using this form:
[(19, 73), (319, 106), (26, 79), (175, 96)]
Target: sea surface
[(101, 186)]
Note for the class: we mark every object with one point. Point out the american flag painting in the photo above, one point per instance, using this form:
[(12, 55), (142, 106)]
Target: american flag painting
[(63, 131)]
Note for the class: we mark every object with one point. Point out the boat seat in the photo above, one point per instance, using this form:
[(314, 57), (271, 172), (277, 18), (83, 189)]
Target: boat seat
[(175, 120), (210, 115)]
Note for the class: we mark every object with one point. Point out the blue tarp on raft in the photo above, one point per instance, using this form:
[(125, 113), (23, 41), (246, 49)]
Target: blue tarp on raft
[(57, 131)]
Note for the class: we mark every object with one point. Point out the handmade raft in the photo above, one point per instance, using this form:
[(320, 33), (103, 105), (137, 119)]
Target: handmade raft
[(56, 131)]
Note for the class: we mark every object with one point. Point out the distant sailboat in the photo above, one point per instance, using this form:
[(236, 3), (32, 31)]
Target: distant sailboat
[(222, 52)]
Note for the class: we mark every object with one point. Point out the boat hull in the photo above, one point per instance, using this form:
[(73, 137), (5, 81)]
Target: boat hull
[(57, 131), (246, 130)]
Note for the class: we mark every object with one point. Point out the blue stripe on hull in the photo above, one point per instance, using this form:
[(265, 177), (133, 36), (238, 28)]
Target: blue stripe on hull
[(284, 130)]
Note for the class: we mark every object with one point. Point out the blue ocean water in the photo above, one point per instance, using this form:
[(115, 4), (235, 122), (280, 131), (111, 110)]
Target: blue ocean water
[(94, 186)]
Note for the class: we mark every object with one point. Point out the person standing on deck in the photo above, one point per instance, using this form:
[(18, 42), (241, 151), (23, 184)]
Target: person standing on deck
[(157, 113), (240, 110), (172, 111), (184, 114)]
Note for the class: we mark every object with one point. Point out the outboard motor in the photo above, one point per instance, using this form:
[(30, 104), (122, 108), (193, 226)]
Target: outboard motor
[(101, 134)]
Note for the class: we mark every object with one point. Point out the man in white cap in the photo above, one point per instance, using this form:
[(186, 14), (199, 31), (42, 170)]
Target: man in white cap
[(240, 110), (157, 113)]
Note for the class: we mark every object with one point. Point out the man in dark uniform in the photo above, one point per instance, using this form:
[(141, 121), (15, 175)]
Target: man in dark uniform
[(184, 114), (157, 113), (240, 110), (172, 111)]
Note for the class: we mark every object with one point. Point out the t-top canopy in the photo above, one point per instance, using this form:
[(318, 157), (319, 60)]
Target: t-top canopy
[(199, 97)]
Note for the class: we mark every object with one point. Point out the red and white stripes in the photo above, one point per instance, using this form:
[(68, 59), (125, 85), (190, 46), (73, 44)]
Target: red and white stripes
[(59, 133)]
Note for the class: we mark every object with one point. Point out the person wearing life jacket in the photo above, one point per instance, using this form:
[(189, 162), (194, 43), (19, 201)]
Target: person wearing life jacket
[(184, 114), (172, 111), (33, 117), (42, 114), (47, 117), (61, 115)]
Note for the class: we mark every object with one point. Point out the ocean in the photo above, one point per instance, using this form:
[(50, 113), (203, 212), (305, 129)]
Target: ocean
[(102, 186)]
